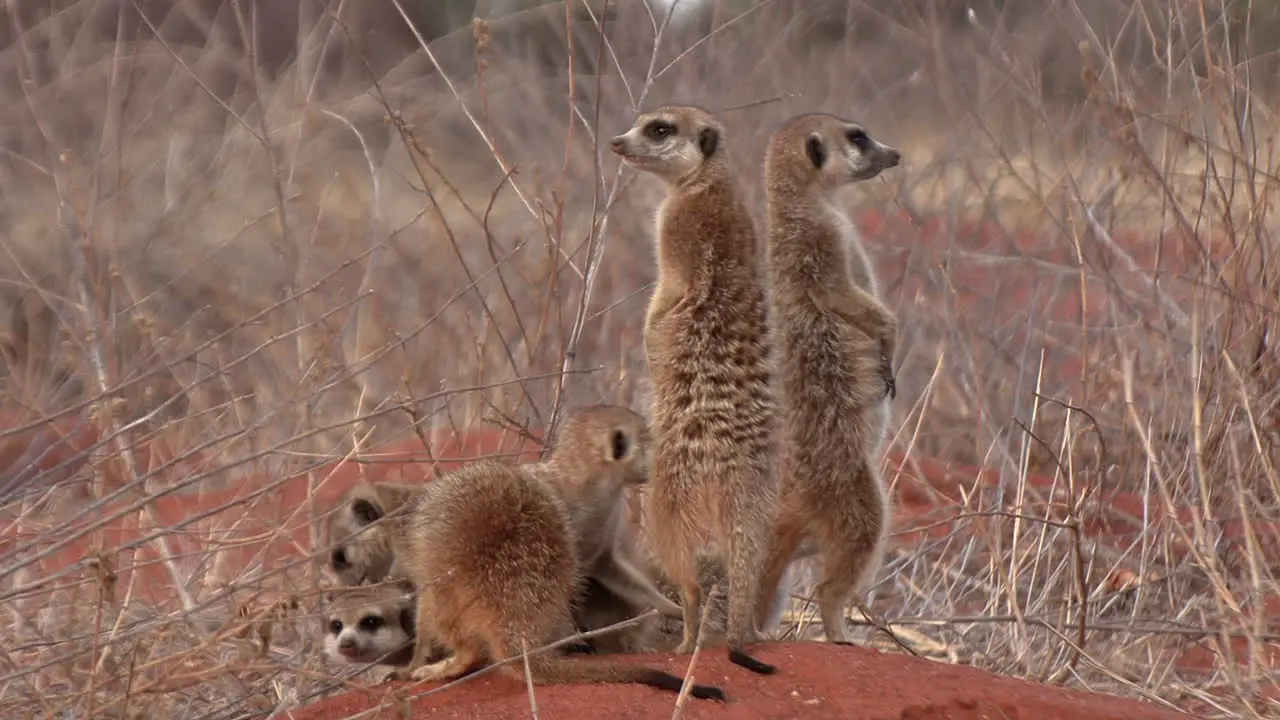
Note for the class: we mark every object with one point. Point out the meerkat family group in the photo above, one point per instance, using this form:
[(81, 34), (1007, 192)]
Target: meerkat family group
[(772, 374)]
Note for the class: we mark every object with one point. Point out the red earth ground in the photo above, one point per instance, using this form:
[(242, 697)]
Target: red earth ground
[(270, 529), (815, 680)]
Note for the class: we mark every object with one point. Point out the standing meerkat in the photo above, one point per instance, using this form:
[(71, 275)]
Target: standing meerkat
[(493, 551), (836, 341), (706, 338)]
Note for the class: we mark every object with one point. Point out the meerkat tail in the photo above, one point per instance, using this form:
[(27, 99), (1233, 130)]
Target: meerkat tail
[(553, 670)]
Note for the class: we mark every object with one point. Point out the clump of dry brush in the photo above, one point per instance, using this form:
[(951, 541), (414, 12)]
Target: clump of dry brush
[(246, 240)]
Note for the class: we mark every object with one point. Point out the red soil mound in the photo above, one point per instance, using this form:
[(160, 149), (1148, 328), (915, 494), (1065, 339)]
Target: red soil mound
[(815, 680)]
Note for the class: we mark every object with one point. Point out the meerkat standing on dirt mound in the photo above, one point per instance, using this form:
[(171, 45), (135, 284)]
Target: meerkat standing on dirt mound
[(493, 552), (707, 342), (836, 342)]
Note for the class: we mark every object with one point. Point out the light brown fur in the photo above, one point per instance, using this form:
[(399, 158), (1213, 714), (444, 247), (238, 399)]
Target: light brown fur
[(362, 551), (493, 550), (360, 547), (836, 341), (707, 343)]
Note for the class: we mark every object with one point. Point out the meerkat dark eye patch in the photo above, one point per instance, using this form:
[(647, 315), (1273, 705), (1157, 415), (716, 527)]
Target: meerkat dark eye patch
[(339, 559), (658, 129), (371, 622), (708, 141), (335, 627), (859, 139), (619, 445), (365, 511), (816, 150)]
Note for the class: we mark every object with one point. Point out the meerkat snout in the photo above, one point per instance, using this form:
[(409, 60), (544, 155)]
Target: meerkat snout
[(889, 158)]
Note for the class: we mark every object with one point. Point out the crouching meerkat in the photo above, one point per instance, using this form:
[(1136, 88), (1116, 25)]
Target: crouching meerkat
[(707, 343), (362, 552), (492, 549), (835, 343)]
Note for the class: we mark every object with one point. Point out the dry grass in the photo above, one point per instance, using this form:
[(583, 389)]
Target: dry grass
[(266, 268)]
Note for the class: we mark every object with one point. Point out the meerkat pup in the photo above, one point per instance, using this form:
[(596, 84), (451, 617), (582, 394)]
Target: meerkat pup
[(362, 552), (836, 341), (707, 343), (493, 550), (360, 546), (597, 505), (371, 624)]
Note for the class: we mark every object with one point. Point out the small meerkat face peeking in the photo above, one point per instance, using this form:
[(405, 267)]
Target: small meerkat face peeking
[(360, 553), (670, 142), (844, 153), (355, 634)]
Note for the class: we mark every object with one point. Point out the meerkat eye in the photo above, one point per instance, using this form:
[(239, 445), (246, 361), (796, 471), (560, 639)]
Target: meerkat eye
[(658, 129), (859, 138), (335, 627), (371, 622), (339, 558), (365, 511), (619, 445)]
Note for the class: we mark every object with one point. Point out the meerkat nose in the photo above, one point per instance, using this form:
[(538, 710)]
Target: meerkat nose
[(893, 158), (616, 145)]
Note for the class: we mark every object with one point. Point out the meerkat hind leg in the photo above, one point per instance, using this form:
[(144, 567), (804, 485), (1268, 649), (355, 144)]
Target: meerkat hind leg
[(841, 565), (782, 551), (690, 601)]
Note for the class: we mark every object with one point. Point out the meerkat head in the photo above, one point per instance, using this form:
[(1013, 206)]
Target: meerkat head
[(369, 625), (598, 452), (672, 142), (358, 552), (833, 152)]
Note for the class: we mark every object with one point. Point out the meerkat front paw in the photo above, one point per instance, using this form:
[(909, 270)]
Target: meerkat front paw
[(434, 671)]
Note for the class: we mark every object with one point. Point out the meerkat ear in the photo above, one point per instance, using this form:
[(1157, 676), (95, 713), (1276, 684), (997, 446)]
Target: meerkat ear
[(815, 149), (365, 511), (619, 445), (708, 140)]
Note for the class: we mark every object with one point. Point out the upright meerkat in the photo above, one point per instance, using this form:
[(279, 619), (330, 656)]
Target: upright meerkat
[(836, 341), (493, 551), (706, 338)]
